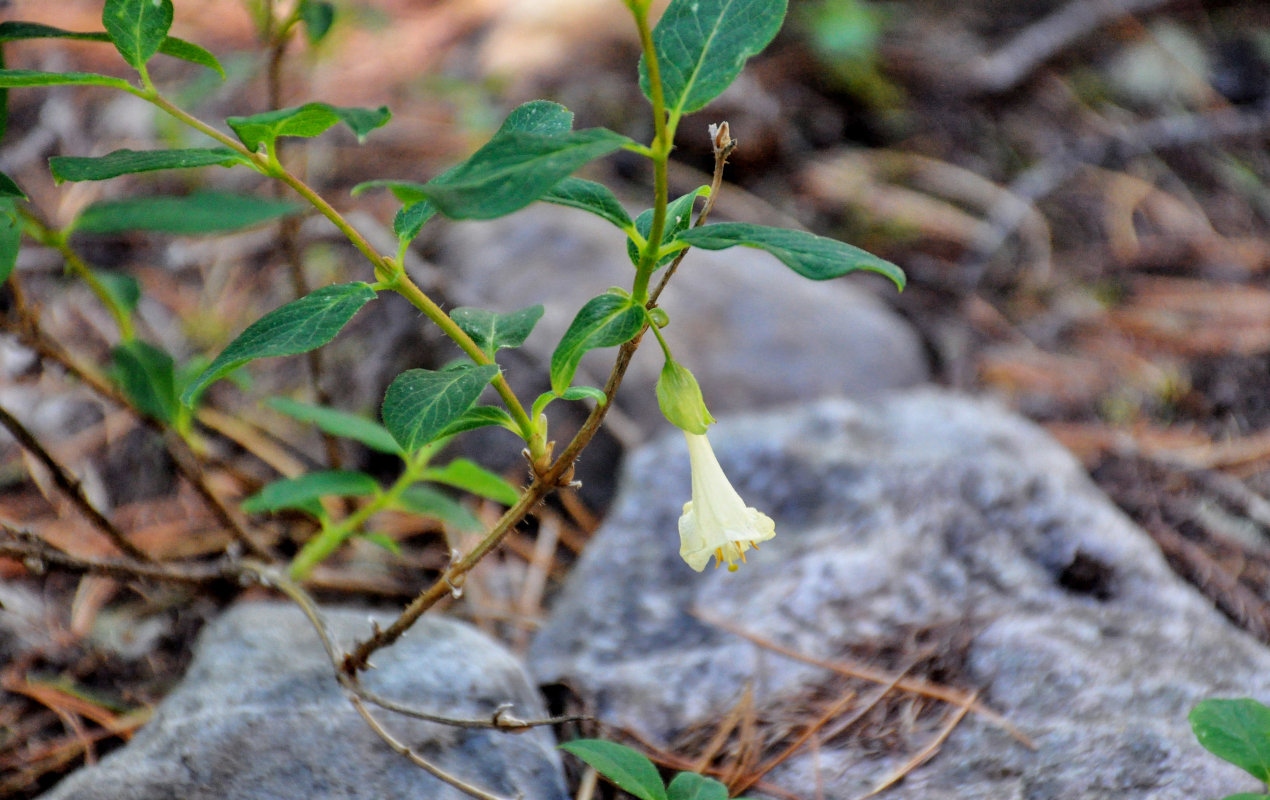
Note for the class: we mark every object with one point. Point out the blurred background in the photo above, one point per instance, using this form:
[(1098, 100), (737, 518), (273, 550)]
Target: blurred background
[(1079, 191)]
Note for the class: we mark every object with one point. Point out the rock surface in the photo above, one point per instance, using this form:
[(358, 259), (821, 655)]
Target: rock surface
[(924, 510), (259, 715)]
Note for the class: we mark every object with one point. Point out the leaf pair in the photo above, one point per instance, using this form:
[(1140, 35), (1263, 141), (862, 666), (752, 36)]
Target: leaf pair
[(634, 774)]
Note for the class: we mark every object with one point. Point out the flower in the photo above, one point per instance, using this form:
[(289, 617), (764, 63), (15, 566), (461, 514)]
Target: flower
[(716, 521)]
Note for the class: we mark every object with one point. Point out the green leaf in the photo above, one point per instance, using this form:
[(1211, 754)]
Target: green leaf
[(1237, 731), (339, 423), (421, 403), (127, 162), (318, 16), (191, 215), (123, 289), (431, 503), (811, 256), (405, 191), (188, 51), (514, 169), (691, 786), (605, 321), (589, 196), (472, 477), (572, 393), (538, 116), (137, 27), (492, 331), (171, 46), (16, 78), (702, 45), (10, 189), (297, 327), (300, 492), (480, 417), (10, 239), (678, 218), (383, 540), (147, 377), (411, 219), (628, 770), (309, 120), (1247, 796)]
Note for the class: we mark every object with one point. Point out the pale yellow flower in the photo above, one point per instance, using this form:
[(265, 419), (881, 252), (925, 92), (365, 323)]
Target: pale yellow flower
[(716, 522)]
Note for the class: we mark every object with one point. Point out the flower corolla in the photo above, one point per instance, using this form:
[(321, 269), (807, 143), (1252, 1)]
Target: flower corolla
[(716, 522)]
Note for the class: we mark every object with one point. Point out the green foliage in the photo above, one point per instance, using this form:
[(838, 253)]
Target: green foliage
[(691, 786), (191, 215), (318, 17), (10, 229), (137, 27), (630, 771), (472, 477), (306, 121), (297, 327), (678, 218), (302, 492), (514, 169), (17, 78), (421, 403), (127, 162), (1237, 731), (811, 256), (590, 196), (492, 331), (428, 502), (479, 417), (147, 376), (702, 45), (605, 321), (171, 46), (122, 290), (339, 423)]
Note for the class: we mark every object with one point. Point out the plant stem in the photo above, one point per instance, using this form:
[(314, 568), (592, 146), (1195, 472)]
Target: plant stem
[(386, 270), (662, 142)]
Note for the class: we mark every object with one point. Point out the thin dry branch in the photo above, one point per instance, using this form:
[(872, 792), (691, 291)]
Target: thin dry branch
[(913, 685), (1034, 45), (70, 486), (926, 752)]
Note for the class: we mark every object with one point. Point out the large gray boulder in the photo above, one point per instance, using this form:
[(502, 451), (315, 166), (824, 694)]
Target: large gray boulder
[(923, 512), (259, 716)]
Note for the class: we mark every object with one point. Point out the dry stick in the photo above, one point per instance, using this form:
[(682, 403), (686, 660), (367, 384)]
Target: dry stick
[(927, 751), (1040, 180), (1012, 64), (38, 554), (33, 336), (914, 685), (70, 486), (833, 711)]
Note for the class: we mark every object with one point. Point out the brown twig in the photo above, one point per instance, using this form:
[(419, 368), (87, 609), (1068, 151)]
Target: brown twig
[(913, 685), (31, 334), (38, 554), (926, 752), (70, 487)]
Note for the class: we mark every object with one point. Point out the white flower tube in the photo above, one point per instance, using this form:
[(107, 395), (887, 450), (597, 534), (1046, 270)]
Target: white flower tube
[(716, 522)]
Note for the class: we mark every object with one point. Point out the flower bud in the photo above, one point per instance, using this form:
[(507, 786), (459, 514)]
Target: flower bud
[(680, 399)]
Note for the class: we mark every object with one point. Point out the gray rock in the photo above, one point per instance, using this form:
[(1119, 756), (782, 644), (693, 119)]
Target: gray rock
[(924, 510), (733, 314), (259, 715)]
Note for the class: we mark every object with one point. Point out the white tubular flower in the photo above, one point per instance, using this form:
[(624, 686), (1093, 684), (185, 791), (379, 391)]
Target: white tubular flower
[(716, 522)]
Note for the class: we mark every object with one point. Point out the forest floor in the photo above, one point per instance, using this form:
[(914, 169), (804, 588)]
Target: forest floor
[(1079, 192)]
